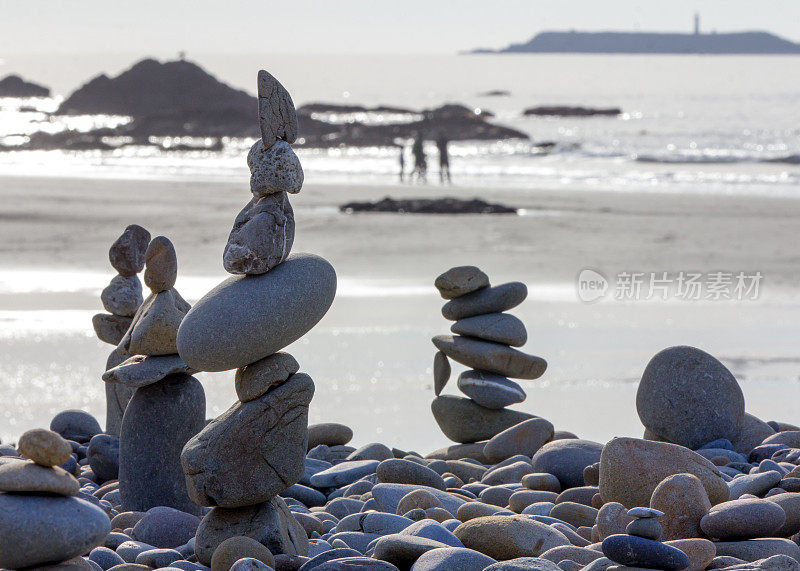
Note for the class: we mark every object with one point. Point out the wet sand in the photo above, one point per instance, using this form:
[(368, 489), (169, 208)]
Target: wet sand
[(371, 355)]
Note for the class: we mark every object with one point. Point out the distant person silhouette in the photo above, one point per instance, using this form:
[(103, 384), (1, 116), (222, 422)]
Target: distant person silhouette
[(420, 162), (444, 159), (402, 162)]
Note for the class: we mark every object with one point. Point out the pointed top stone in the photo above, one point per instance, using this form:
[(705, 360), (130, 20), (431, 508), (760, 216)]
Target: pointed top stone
[(127, 252), (162, 265), (276, 113)]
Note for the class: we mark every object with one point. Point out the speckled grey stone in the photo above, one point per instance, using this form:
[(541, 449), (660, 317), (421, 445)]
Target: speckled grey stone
[(44, 529), (127, 252), (276, 111), (158, 422), (253, 451), (110, 328), (123, 295), (274, 169), (247, 318), (262, 236), (491, 357)]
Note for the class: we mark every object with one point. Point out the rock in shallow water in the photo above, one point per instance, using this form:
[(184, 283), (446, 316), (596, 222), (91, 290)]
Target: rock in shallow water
[(158, 422), (270, 523), (253, 451), (247, 318), (491, 357), (711, 401), (462, 420), (44, 529)]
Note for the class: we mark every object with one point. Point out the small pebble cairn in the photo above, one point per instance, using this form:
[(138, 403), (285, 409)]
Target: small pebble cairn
[(484, 340), (168, 404), (239, 463), (639, 546), (121, 298)]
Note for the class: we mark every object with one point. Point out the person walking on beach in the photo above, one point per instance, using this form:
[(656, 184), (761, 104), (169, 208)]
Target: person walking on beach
[(420, 162), (402, 161), (444, 159)]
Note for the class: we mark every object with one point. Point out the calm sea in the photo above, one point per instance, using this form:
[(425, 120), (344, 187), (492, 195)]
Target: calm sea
[(711, 124)]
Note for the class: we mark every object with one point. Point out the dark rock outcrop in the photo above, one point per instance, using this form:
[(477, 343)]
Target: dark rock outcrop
[(15, 86), (570, 111), (429, 206)]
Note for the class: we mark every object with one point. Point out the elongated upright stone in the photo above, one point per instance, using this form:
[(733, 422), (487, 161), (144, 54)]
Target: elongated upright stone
[(276, 112), (159, 420)]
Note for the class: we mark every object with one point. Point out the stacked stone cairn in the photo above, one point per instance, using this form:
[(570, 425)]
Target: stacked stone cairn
[(168, 404), (640, 547), (43, 519), (239, 463), (121, 298), (484, 340)]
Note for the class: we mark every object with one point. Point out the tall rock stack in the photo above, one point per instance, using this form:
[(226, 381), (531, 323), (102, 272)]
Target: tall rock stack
[(121, 298), (240, 462), (168, 404), (484, 340)]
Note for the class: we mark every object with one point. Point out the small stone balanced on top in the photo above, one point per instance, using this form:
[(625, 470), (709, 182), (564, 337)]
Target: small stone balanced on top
[(241, 460), (484, 341), (168, 404), (121, 298)]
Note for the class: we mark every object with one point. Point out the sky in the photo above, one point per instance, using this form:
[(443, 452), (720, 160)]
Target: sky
[(354, 26)]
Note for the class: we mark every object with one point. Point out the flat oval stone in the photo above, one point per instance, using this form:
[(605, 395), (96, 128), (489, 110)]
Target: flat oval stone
[(526, 438), (463, 420), (509, 536), (329, 433), (44, 529), (567, 459), (498, 327), (452, 558), (487, 300), (344, 473), (247, 318), (45, 447), (490, 390), (640, 552), (27, 476), (140, 370), (460, 280), (743, 519), (492, 357)]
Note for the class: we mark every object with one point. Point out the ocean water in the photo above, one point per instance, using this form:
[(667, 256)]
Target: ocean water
[(710, 124)]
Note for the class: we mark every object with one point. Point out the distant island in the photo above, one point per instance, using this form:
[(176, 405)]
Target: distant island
[(651, 43)]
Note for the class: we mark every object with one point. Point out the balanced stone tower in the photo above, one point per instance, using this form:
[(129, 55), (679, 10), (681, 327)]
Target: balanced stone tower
[(168, 405), (241, 461), (121, 298), (484, 340)]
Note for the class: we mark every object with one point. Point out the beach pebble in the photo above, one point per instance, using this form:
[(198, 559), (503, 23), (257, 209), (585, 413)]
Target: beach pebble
[(249, 564), (494, 299), (122, 296), (379, 523), (252, 451), (790, 503), (262, 236), (328, 433), (612, 519), (141, 370), (165, 527), (460, 280), (344, 473), (274, 170), (158, 558), (491, 357), (630, 470), (161, 265), (18, 476), (417, 499), (757, 484), (150, 472), (753, 431), (574, 514), (542, 481), (276, 111), (235, 548), (509, 474), (490, 390), (441, 372), (699, 551), (684, 501), (712, 403), (154, 328), (371, 451), (434, 530), (130, 550), (247, 318), (459, 558), (403, 550), (45, 447), (526, 438), (578, 555), (640, 552), (566, 459), (388, 497), (755, 549), (255, 379), (25, 519), (743, 519), (270, 523), (647, 527), (127, 253), (75, 425), (498, 327), (106, 558), (399, 471), (463, 420), (527, 564), (506, 537), (110, 328), (103, 456)]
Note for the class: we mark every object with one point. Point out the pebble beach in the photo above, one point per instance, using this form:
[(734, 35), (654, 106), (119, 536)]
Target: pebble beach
[(710, 484)]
